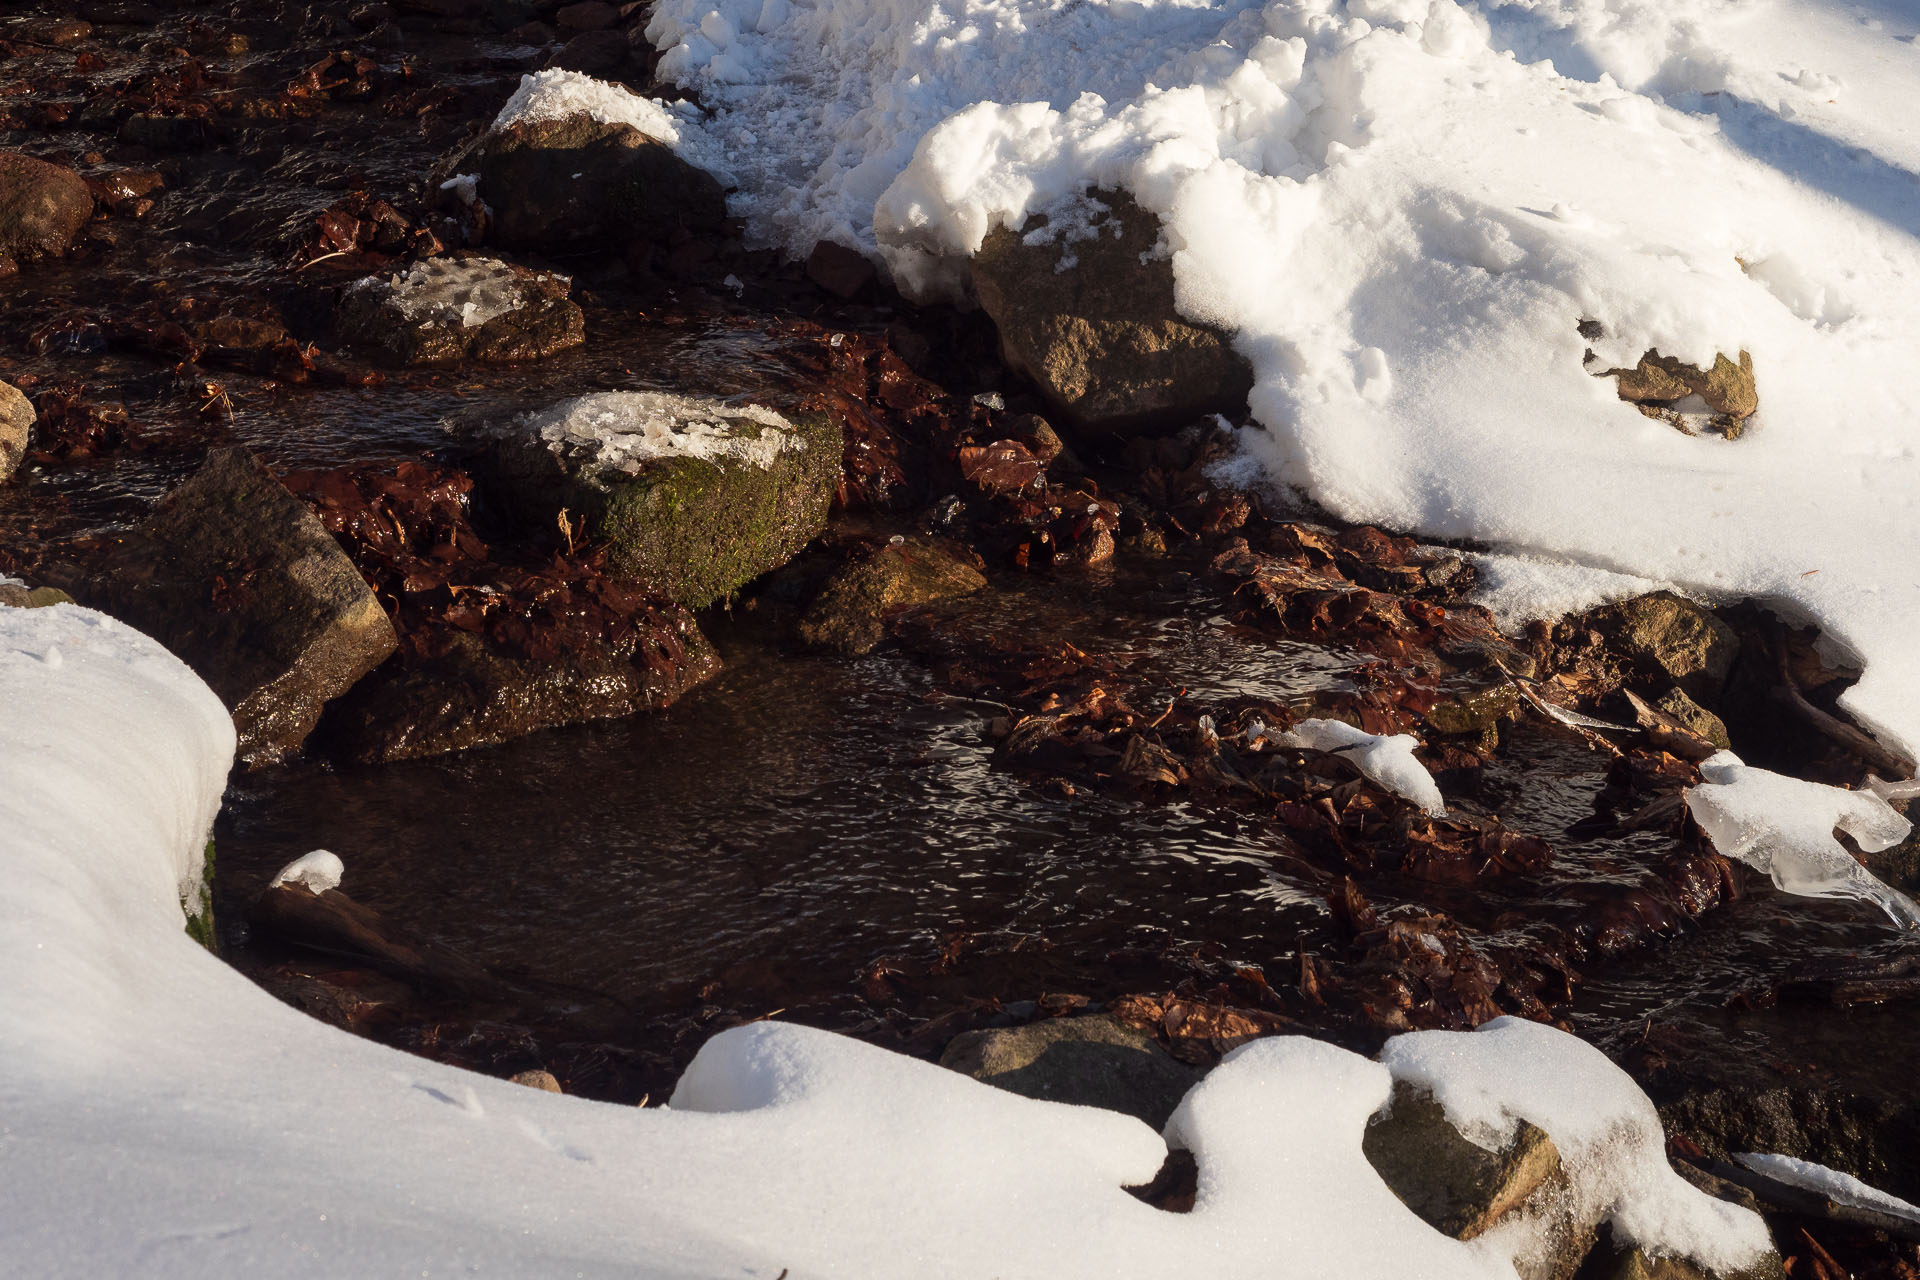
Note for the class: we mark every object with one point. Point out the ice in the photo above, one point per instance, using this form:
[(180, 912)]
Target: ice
[(1387, 760), (1841, 1188), (166, 1117), (471, 291), (317, 872), (620, 430), (1605, 1129), (1402, 209), (1785, 827)]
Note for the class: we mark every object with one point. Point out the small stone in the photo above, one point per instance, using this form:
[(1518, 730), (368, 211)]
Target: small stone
[(42, 206), (850, 613), (1727, 387), (1096, 1061), (537, 1079), (16, 424), (470, 308), (841, 271), (1478, 712), (1695, 718), (1455, 1186)]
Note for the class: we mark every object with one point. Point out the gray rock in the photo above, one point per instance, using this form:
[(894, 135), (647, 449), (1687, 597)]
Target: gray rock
[(849, 615), (577, 182), (1454, 1185), (696, 496), (1096, 1061), (42, 206), (1103, 340), (238, 578), (16, 423), (469, 308)]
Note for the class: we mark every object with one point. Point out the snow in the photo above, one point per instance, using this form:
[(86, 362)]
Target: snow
[(556, 93), (464, 291), (1386, 759), (1522, 589), (1785, 827), (622, 431), (1841, 1188), (316, 872), (164, 1117), (1606, 1132), (1402, 208)]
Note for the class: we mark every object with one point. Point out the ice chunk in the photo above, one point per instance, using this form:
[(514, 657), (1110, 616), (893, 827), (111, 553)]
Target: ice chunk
[(619, 430), (1386, 759), (471, 291), (318, 872), (1785, 827), (1841, 1188)]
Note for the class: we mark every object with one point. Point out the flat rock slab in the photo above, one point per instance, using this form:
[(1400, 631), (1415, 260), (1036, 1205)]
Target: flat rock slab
[(237, 577), (16, 424), (1096, 1061), (850, 613), (1088, 313), (695, 496), (448, 309), (42, 206)]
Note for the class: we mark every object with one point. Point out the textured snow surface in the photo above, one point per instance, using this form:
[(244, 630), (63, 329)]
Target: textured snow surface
[(1785, 827), (1386, 759), (1841, 1188), (1403, 207), (161, 1116), (625, 430), (1522, 589)]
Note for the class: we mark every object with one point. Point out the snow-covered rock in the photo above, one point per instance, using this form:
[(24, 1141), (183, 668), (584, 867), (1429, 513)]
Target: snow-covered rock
[(452, 308)]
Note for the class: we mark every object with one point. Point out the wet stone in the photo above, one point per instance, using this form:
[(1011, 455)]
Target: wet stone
[(841, 271), (42, 206), (1103, 340), (1667, 636), (1695, 717), (448, 309), (1096, 1061), (1454, 1185), (850, 613), (16, 424), (238, 578)]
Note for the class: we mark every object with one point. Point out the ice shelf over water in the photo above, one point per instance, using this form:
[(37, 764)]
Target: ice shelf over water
[(624, 430), (1403, 208), (161, 1116)]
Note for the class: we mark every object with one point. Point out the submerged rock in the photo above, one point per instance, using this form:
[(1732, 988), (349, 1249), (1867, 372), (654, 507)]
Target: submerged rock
[(334, 923), (240, 580), (16, 424), (475, 696), (1101, 337), (1096, 1061), (471, 308), (695, 496), (42, 206), (849, 614)]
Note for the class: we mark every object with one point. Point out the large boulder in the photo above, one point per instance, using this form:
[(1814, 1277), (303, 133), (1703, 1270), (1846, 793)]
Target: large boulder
[(850, 613), (562, 169), (42, 206), (1096, 1061), (237, 577), (471, 308), (1102, 338), (695, 496), (16, 423)]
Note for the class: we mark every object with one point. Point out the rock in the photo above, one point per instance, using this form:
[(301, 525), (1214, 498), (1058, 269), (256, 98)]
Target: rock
[(164, 132), (58, 32), (1103, 340), (1613, 1261), (841, 271), (470, 308), (589, 15), (1727, 387), (473, 696), (536, 1079), (696, 496), (334, 923), (604, 54), (1454, 1185), (1874, 1138), (1695, 718), (1480, 712), (1673, 638), (1096, 1061), (17, 595), (849, 615), (16, 424), (576, 182), (42, 206), (238, 578)]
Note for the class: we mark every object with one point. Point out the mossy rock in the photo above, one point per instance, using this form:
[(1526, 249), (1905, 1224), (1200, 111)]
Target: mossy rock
[(850, 613), (196, 902)]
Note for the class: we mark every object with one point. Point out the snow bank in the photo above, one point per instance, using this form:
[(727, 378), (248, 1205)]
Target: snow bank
[(624, 430), (1403, 209), (164, 1117), (1784, 827), (1386, 759)]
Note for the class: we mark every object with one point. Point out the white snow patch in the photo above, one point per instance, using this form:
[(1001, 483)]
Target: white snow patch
[(1841, 1188), (624, 430), (1518, 589), (1785, 827), (1403, 207), (1386, 759), (556, 93), (317, 872)]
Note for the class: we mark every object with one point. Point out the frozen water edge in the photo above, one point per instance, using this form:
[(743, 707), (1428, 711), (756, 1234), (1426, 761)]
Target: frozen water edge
[(164, 1117)]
